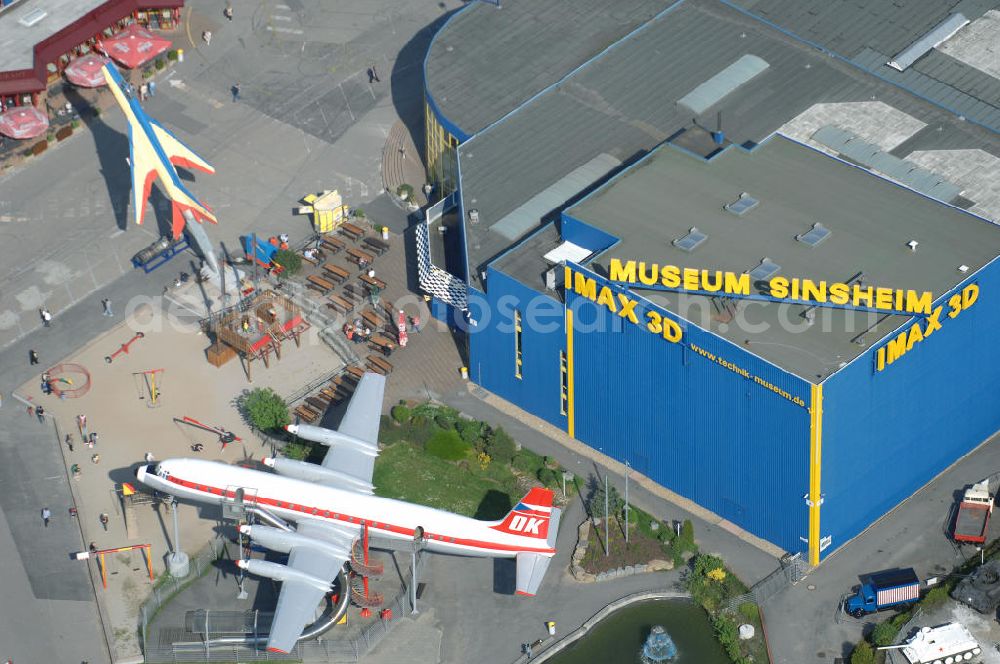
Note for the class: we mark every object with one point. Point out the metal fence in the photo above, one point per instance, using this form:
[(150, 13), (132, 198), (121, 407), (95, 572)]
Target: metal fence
[(894, 656), (791, 570), (182, 649)]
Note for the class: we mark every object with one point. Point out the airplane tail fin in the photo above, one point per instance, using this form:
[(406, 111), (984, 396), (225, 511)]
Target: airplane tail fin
[(532, 517)]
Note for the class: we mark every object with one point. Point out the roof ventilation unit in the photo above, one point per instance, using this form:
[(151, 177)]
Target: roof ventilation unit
[(815, 235), (690, 241), (33, 17), (963, 268), (550, 279), (912, 244), (742, 205), (474, 215), (765, 270)]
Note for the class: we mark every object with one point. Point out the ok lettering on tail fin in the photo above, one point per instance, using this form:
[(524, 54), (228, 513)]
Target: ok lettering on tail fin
[(531, 517)]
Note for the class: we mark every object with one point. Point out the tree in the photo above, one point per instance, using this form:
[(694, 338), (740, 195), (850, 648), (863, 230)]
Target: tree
[(264, 408), (863, 654), (884, 633), (290, 262)]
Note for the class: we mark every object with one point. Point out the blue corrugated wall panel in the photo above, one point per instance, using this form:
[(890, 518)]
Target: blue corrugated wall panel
[(887, 433), (491, 345), (693, 425), (575, 231)]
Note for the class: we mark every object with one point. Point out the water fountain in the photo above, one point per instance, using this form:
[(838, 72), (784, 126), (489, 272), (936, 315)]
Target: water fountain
[(659, 647)]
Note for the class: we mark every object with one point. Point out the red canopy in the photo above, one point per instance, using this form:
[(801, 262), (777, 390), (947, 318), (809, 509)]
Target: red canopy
[(135, 45), (23, 122), (86, 70)]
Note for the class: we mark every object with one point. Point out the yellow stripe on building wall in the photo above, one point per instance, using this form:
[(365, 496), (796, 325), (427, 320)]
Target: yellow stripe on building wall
[(570, 429), (815, 467)]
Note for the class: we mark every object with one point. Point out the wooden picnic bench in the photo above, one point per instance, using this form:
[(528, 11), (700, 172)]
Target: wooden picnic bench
[(319, 283), (354, 371), (333, 245), (352, 231), (344, 382), (378, 245), (306, 413), (354, 292), (378, 365), (374, 282), (318, 403), (335, 272), (338, 303), (373, 320), (360, 257)]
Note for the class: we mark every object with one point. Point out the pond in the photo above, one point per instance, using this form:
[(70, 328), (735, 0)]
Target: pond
[(618, 638)]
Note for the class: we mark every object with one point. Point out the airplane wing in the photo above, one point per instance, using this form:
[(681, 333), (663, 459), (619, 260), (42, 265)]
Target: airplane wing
[(360, 421), (178, 153), (297, 601), (144, 173)]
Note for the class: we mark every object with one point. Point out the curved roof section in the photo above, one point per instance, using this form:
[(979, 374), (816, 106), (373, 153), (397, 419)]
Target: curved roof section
[(485, 62)]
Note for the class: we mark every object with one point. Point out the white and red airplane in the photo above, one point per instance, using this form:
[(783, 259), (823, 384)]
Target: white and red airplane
[(330, 503)]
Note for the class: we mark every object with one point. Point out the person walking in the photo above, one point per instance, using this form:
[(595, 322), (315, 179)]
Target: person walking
[(46, 515), (46, 316), (106, 303), (143, 91), (40, 413), (104, 520), (33, 357), (152, 88), (228, 12), (206, 36), (236, 92), (69, 441)]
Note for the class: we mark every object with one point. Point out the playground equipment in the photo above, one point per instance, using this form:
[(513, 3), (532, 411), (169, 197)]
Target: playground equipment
[(69, 380), (123, 348), (149, 386), (225, 437), (256, 327)]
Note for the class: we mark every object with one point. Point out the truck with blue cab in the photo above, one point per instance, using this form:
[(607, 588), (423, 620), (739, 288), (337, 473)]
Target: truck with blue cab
[(882, 590)]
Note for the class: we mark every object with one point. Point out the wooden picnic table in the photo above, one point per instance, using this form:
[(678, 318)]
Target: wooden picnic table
[(335, 272), (360, 257), (377, 245), (306, 413), (352, 231), (379, 365), (383, 344), (318, 282), (340, 304), (333, 245), (373, 282), (354, 371)]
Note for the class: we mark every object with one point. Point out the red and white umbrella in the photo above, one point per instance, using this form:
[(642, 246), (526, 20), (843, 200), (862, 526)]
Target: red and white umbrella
[(23, 122), (85, 71), (135, 45)]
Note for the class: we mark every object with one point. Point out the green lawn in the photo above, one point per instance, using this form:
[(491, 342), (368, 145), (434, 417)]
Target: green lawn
[(408, 473)]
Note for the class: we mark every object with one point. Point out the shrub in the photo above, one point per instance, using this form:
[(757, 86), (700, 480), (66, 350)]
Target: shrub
[(447, 445), (297, 451), (172, 55), (400, 413), (50, 136), (405, 192), (444, 421), (548, 477), (935, 597), (470, 430), (596, 503), (75, 124), (160, 64), (420, 431), (863, 654), (64, 133), (289, 260), (884, 634), (264, 408), (686, 539), (358, 213), (501, 446)]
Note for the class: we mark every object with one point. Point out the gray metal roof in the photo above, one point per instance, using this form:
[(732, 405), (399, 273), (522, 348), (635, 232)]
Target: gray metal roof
[(870, 221), (869, 33), (17, 42), (612, 106), (487, 61)]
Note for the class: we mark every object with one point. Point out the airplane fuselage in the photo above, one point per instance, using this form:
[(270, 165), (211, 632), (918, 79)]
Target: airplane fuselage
[(295, 500)]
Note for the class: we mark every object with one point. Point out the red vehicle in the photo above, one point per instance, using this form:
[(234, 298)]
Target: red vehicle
[(973, 517)]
